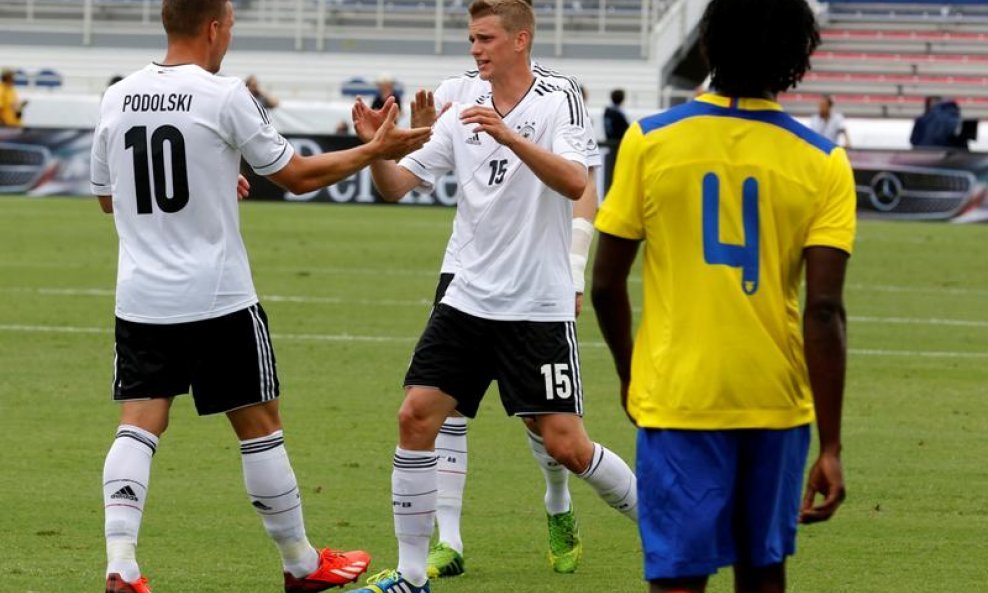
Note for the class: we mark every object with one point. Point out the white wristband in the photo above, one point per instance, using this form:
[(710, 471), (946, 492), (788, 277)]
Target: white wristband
[(579, 251)]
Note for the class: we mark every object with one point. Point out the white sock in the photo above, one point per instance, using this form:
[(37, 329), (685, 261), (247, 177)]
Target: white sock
[(413, 502), (274, 494), (451, 447), (613, 480), (125, 486), (557, 498)]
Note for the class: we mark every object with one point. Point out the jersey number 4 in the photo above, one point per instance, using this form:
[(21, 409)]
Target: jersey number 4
[(738, 256), (137, 140)]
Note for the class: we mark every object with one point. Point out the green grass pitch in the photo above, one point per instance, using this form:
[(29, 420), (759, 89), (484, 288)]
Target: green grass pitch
[(347, 291)]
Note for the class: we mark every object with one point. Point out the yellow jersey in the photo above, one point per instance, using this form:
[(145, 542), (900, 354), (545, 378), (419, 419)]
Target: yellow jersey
[(8, 106), (725, 193)]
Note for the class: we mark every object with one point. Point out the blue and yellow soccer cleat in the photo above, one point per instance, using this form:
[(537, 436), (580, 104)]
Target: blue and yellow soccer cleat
[(565, 547), (443, 561), (390, 581)]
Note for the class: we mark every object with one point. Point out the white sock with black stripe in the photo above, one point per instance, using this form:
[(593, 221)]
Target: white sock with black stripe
[(413, 501), (557, 497), (451, 447), (274, 494), (612, 480), (125, 485)]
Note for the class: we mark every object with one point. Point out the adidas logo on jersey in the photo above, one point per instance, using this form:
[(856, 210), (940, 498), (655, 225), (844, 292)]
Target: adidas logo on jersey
[(475, 139), (126, 493)]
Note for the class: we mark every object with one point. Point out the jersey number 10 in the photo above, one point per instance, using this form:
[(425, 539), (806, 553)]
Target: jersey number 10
[(137, 139), (738, 256)]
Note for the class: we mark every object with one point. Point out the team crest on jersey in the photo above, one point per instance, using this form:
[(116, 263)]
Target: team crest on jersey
[(526, 129)]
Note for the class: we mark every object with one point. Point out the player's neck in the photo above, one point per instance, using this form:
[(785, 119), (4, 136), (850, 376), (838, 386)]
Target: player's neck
[(508, 90), (186, 52)]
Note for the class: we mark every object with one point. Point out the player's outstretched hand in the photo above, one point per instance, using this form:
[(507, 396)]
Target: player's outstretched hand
[(826, 479), (394, 142), (489, 121), (243, 188), (424, 109), (367, 121)]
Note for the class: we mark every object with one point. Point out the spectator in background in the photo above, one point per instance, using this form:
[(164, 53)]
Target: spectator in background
[(385, 89), (829, 123), (266, 100), (10, 104), (940, 126), (615, 122)]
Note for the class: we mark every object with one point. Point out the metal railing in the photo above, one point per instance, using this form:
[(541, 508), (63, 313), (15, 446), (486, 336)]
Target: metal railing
[(311, 22)]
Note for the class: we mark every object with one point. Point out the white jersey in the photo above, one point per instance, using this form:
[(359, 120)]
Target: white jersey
[(513, 232), (168, 149), (468, 87), (829, 128)]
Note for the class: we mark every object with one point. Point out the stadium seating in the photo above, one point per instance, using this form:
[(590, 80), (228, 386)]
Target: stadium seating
[(882, 59), (321, 76)]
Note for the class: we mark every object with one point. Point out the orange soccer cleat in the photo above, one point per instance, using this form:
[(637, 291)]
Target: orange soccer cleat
[(116, 584), (336, 569)]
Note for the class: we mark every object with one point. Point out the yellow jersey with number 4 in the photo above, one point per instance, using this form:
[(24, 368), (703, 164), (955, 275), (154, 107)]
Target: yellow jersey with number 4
[(726, 194)]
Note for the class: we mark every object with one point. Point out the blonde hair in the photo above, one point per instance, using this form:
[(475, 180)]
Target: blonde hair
[(516, 15)]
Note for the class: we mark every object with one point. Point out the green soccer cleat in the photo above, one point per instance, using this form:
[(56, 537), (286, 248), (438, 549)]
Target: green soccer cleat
[(390, 581), (565, 547), (443, 561)]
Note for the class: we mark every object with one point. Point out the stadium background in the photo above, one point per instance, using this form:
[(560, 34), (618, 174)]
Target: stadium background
[(347, 289)]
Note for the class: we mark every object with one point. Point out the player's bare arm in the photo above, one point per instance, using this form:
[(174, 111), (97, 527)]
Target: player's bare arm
[(584, 212), (304, 174), (561, 174), (106, 204), (612, 304), (825, 345)]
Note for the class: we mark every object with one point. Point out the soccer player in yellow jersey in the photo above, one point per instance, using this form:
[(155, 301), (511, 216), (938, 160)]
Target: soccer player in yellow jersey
[(731, 198)]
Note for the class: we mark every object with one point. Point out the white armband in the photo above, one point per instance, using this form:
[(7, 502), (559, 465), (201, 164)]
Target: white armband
[(579, 251)]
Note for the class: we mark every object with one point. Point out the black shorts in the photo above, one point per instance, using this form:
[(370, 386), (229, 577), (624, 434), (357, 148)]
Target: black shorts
[(536, 363), (228, 361)]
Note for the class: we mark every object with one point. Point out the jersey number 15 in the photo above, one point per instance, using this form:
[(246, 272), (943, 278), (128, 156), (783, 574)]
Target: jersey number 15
[(137, 140)]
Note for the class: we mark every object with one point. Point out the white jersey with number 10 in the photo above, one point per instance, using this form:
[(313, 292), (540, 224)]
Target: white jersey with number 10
[(168, 149)]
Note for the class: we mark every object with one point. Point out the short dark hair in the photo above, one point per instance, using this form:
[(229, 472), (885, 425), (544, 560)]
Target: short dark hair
[(185, 18), (617, 96), (754, 47)]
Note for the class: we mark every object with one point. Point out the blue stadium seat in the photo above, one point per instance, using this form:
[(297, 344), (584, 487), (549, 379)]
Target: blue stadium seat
[(358, 87), (21, 78), (48, 78)]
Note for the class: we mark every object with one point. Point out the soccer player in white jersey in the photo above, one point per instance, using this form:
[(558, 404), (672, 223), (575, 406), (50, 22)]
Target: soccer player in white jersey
[(565, 547), (509, 312), (165, 162)]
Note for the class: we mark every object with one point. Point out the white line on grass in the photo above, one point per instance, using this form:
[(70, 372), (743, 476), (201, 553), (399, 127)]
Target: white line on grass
[(68, 329), (329, 300)]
